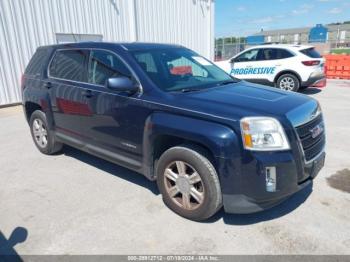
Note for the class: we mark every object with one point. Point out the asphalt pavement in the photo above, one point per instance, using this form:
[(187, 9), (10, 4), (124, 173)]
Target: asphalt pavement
[(74, 203)]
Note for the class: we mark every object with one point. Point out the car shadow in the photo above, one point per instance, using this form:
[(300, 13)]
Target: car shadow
[(7, 246), (112, 169), (280, 210), (311, 91)]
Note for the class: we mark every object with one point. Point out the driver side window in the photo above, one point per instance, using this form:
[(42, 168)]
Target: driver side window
[(104, 65), (248, 56)]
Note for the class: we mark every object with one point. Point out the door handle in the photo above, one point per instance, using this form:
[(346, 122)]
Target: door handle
[(87, 93), (47, 85)]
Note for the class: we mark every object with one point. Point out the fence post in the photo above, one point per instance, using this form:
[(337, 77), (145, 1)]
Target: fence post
[(223, 48)]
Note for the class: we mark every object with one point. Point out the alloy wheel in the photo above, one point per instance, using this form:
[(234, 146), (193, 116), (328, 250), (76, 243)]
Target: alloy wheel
[(40, 133), (184, 185), (287, 83)]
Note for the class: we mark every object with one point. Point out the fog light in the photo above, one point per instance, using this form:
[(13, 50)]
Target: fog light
[(270, 179)]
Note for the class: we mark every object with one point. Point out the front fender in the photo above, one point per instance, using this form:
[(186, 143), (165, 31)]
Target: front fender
[(220, 139)]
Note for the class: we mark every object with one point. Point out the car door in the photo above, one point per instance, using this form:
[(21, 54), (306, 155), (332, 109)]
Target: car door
[(115, 129), (66, 74), (269, 63), (242, 66)]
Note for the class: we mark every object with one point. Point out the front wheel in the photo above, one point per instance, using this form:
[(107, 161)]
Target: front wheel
[(288, 82), (189, 183)]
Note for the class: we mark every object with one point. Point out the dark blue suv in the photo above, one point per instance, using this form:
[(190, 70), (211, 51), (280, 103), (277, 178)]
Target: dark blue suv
[(208, 139)]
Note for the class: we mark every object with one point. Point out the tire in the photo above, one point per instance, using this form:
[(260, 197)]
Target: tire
[(43, 137), (288, 82), (185, 194)]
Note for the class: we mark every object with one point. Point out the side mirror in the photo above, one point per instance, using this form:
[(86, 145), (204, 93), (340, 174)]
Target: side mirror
[(234, 59), (122, 84)]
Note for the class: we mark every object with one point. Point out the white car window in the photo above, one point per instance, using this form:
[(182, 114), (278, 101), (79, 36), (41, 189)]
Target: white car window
[(248, 56), (275, 53)]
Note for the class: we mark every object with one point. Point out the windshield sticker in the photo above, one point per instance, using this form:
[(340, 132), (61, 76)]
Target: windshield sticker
[(201, 60), (254, 71)]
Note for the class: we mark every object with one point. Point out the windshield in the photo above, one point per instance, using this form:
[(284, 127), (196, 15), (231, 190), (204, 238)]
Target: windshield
[(180, 69)]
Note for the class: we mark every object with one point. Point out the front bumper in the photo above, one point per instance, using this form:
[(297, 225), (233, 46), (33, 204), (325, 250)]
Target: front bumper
[(250, 194)]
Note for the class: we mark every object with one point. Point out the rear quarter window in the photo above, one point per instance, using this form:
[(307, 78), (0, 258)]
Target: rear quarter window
[(36, 64), (311, 52)]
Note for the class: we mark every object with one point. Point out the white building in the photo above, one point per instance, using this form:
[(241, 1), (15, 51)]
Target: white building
[(27, 24)]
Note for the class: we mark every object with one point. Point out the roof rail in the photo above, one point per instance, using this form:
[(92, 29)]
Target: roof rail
[(271, 43)]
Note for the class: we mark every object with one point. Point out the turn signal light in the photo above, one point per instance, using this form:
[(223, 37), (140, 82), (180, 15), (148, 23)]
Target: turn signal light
[(311, 62), (248, 140)]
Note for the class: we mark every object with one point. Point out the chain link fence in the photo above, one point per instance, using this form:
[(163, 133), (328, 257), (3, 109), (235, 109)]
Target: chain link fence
[(225, 48)]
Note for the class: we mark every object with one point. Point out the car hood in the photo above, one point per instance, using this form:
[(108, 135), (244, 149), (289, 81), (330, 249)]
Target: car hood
[(237, 100)]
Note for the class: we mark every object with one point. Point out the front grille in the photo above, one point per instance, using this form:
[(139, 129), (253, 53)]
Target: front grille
[(312, 146)]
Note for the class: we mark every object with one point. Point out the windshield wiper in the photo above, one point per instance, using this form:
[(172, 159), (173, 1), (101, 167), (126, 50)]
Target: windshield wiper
[(187, 90), (226, 82)]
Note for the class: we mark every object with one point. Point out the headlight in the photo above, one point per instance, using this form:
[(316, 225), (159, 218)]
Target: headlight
[(263, 134), (318, 110)]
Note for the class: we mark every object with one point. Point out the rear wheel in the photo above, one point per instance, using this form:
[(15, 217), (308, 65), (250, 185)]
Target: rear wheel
[(189, 183), (288, 82), (43, 137)]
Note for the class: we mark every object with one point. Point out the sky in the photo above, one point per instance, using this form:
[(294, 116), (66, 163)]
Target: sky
[(245, 17)]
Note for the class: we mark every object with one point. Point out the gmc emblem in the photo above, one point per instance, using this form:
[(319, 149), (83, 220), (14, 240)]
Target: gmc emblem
[(316, 131)]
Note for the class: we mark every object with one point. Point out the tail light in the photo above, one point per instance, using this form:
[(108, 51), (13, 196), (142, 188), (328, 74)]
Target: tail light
[(311, 62)]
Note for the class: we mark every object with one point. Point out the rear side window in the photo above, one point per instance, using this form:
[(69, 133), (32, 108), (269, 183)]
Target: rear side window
[(311, 52), (283, 53), (104, 65), (275, 53), (69, 64), (37, 62)]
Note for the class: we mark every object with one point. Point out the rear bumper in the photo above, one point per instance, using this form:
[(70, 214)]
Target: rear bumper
[(318, 80), (251, 201)]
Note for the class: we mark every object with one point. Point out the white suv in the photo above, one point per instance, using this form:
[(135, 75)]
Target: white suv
[(287, 67)]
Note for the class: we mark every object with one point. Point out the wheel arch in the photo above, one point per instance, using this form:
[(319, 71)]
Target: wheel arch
[(39, 103), (30, 107), (164, 142), (283, 72), (163, 131)]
